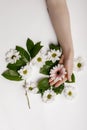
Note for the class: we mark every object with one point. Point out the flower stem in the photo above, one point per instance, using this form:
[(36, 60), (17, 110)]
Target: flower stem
[(26, 94)]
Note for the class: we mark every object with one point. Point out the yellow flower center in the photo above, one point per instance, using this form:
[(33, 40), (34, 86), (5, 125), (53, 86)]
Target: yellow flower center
[(39, 59), (30, 88), (79, 65), (25, 72), (70, 93), (49, 96), (54, 55)]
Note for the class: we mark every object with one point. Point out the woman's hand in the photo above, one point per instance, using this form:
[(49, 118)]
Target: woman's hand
[(59, 15), (67, 61)]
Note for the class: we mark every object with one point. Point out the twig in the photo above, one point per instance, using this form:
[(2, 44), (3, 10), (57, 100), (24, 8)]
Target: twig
[(26, 94)]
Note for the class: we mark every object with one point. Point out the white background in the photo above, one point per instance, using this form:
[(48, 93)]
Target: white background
[(20, 19)]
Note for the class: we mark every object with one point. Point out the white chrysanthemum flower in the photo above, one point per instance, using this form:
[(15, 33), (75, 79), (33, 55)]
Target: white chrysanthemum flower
[(39, 60), (53, 55), (25, 71), (79, 64), (31, 87), (12, 56), (69, 92), (48, 96)]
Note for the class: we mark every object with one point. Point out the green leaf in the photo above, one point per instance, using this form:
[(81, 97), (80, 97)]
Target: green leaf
[(25, 56), (72, 79), (46, 68), (17, 65), (53, 46), (58, 90), (11, 75), (50, 63), (29, 44), (43, 85), (34, 51)]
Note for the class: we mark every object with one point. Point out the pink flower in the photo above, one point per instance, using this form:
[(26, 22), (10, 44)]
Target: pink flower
[(58, 73)]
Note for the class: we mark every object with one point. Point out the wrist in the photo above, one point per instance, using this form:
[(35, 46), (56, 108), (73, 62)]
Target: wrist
[(68, 53)]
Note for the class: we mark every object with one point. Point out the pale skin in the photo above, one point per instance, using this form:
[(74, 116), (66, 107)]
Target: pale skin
[(60, 19)]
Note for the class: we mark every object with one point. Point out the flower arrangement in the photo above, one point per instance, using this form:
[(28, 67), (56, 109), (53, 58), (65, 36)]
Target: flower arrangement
[(21, 63)]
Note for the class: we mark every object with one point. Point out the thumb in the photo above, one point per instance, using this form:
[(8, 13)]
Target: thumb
[(69, 72), (69, 76)]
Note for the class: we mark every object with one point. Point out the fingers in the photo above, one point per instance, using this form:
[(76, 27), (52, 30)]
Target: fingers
[(50, 80), (60, 82), (52, 83)]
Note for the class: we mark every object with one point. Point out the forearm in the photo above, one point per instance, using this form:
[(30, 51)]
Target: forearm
[(59, 15)]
